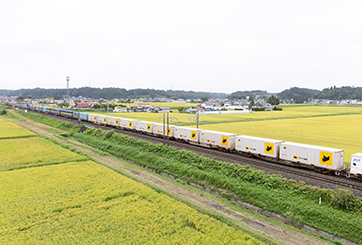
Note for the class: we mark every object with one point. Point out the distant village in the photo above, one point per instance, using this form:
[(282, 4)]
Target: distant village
[(142, 104)]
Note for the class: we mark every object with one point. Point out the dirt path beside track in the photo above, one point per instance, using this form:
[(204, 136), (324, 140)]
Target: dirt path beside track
[(279, 234)]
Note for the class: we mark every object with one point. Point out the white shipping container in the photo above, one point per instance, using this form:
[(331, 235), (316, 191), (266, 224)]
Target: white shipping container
[(92, 118), (145, 127), (218, 139), (113, 121), (258, 146), (356, 163), (318, 156), (129, 123), (158, 129), (187, 134), (101, 119)]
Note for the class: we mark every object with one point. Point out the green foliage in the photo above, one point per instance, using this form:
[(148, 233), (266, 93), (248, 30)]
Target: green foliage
[(299, 99), (3, 112), (53, 122), (204, 99), (273, 100), (252, 102), (243, 94), (295, 91), (295, 200), (112, 93), (345, 92), (344, 199)]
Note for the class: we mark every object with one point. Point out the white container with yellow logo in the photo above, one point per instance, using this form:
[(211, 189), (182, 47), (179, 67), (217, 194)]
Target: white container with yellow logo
[(187, 134), (128, 123), (92, 118), (113, 121), (258, 146), (158, 129), (145, 127), (101, 119), (218, 139), (318, 156)]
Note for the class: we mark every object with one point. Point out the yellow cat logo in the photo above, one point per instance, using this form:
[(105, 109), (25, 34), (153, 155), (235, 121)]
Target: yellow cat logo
[(224, 140), (105, 120), (193, 135), (130, 124), (117, 121), (95, 118), (326, 158), (269, 148), (148, 127)]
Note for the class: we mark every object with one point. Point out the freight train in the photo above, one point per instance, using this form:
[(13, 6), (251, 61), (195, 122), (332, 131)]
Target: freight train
[(321, 159)]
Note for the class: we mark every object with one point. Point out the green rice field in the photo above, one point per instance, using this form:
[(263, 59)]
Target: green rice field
[(11, 130)]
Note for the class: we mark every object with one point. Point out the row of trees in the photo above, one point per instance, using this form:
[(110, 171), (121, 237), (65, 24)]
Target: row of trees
[(111, 93)]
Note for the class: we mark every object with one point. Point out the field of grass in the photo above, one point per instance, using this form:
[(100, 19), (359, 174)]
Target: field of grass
[(85, 203), (287, 113), (163, 104), (30, 152), (11, 130)]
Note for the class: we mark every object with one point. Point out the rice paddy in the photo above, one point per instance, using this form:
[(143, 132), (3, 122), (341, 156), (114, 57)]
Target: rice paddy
[(34, 151), (86, 203), (11, 130), (53, 195)]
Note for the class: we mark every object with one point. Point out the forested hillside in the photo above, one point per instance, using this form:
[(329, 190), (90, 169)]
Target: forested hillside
[(343, 93)]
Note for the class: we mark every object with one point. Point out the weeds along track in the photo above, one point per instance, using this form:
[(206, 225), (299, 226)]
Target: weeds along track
[(299, 174)]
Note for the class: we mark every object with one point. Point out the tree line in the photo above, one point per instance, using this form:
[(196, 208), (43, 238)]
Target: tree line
[(111, 93)]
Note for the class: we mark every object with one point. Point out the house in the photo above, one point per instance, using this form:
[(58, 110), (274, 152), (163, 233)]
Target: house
[(164, 109), (82, 105), (120, 109)]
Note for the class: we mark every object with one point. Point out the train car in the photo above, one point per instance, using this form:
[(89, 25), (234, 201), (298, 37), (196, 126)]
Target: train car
[(44, 109), (218, 139), (129, 124), (258, 146), (66, 113), (158, 130), (356, 165), (113, 121), (92, 118), (144, 127), (102, 119), (187, 134), (322, 159), (83, 116), (55, 111)]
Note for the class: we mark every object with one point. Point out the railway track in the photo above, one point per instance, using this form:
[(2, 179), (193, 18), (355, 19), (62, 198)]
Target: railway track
[(300, 174)]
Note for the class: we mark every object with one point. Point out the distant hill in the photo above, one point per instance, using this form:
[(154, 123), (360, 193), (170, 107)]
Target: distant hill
[(243, 94), (297, 92), (343, 93), (112, 93)]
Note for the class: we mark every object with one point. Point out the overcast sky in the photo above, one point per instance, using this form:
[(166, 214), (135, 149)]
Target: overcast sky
[(218, 46)]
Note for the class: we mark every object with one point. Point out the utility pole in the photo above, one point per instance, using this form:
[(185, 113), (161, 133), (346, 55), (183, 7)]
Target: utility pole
[(197, 118), (107, 109), (164, 129), (68, 78), (168, 128), (78, 115)]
